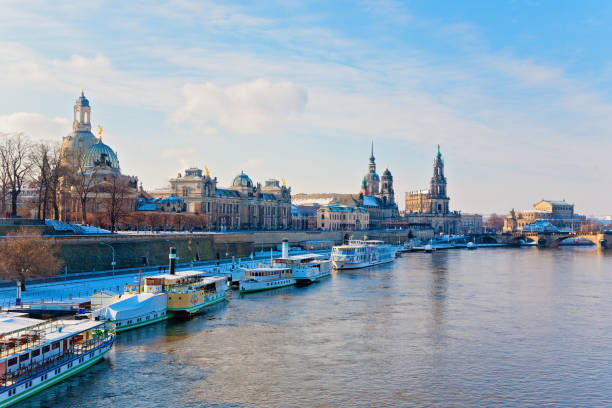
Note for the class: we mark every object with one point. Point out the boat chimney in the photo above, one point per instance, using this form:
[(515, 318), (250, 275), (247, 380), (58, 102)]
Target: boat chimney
[(172, 258), (285, 248)]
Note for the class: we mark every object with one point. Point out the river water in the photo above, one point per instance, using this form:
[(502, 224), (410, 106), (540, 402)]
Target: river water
[(504, 327)]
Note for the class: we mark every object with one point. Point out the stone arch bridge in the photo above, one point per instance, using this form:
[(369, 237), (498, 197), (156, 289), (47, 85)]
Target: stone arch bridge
[(603, 240)]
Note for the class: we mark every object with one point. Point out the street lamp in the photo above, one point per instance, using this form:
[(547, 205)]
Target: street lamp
[(113, 263)]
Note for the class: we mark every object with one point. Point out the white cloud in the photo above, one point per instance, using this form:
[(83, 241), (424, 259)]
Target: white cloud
[(34, 125), (252, 107)]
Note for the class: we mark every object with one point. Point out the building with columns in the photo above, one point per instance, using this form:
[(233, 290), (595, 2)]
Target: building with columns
[(432, 206), (243, 205)]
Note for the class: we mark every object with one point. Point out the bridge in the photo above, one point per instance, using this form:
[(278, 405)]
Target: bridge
[(603, 240)]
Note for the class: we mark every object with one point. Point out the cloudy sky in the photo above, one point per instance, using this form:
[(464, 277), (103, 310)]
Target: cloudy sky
[(518, 93)]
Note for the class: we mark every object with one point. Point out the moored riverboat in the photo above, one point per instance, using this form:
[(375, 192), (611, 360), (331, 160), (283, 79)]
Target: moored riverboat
[(306, 268), (188, 292), (361, 254), (36, 354), (131, 310), (258, 279)]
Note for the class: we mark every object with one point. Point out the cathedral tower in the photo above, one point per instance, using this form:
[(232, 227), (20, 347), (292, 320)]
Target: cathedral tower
[(437, 190), (371, 178), (386, 191)]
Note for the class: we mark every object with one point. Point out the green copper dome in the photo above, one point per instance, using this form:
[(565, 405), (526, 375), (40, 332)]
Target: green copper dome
[(100, 154)]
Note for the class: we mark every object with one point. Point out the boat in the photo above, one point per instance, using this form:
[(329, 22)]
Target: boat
[(36, 354), (306, 268), (188, 292), (429, 248), (286, 270), (361, 254), (258, 279), (471, 246), (130, 310)]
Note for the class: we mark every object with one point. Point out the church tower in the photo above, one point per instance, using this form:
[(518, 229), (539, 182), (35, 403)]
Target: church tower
[(76, 143), (437, 190), (372, 179), (82, 112), (386, 191)]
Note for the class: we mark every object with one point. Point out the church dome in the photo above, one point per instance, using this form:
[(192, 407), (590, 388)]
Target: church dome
[(100, 154), (387, 173), (242, 180)]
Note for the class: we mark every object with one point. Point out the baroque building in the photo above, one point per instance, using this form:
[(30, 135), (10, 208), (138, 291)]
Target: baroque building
[(91, 170), (243, 205), (432, 206), (342, 218), (559, 214)]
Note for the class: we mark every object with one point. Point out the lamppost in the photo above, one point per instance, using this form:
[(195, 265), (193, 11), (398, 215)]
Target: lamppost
[(113, 263)]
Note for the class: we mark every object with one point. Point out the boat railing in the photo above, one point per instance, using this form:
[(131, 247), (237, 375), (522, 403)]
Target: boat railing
[(23, 339), (14, 377)]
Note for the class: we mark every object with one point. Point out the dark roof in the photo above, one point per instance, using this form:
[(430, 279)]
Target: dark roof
[(222, 192)]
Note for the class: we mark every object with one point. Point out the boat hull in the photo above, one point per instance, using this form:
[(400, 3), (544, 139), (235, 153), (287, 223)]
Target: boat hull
[(123, 325), (247, 286), (196, 307), (350, 265), (39, 385)]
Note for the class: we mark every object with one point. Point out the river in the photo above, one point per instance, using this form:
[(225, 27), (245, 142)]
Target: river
[(504, 327)]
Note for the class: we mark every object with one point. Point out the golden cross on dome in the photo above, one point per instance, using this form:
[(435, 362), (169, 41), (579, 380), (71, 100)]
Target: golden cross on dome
[(100, 131)]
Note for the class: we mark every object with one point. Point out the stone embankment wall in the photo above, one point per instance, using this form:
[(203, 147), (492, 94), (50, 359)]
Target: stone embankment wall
[(87, 253)]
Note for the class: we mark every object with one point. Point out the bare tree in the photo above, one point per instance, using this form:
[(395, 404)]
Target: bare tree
[(16, 161), (83, 180), (495, 222), (4, 185), (45, 160), (56, 171), (116, 200), (26, 256)]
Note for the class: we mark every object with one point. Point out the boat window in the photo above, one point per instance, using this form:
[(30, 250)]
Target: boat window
[(35, 353), (45, 349), (12, 361), (55, 345)]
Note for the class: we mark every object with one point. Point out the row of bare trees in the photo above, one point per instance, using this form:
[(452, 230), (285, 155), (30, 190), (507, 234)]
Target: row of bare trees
[(26, 163)]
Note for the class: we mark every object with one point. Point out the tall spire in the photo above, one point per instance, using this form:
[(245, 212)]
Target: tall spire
[(372, 151)]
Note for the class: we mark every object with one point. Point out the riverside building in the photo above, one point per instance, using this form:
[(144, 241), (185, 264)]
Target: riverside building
[(244, 205), (342, 218)]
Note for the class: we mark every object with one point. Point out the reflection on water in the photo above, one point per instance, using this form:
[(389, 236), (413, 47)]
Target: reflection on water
[(513, 327)]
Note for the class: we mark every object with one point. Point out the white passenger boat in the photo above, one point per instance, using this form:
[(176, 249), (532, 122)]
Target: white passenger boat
[(361, 254), (306, 268), (258, 279), (35, 354), (130, 310)]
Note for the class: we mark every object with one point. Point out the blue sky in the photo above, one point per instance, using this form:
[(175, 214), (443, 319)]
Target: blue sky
[(516, 92)]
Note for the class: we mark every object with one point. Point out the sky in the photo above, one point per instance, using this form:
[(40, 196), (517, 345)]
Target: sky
[(517, 93)]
